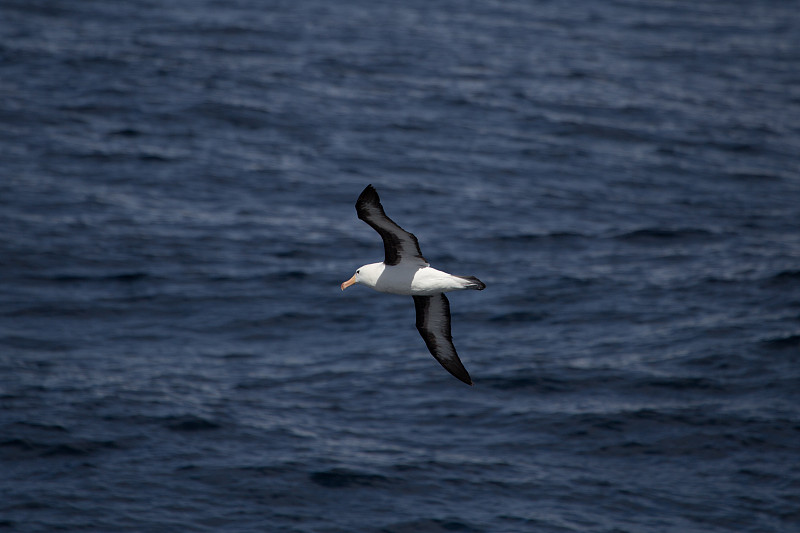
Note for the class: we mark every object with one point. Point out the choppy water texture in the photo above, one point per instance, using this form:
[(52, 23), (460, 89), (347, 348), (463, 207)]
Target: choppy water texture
[(177, 182)]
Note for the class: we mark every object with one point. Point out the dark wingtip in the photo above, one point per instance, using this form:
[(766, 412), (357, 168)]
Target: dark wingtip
[(461, 374), (368, 196)]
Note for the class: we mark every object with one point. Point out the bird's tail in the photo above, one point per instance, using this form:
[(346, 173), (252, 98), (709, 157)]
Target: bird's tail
[(473, 283)]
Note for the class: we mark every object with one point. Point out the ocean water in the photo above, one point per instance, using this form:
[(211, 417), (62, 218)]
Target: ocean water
[(177, 182)]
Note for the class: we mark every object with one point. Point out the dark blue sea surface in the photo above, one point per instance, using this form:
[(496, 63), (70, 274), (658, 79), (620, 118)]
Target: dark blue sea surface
[(177, 189)]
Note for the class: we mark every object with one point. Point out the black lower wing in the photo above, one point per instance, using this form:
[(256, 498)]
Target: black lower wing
[(433, 323)]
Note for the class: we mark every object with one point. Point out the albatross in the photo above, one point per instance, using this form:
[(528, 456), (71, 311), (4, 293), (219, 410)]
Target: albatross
[(405, 271)]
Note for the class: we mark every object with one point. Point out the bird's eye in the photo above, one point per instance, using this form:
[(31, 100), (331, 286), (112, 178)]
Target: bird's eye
[(358, 271)]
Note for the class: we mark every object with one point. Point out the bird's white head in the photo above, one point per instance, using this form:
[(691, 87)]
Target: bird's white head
[(366, 275)]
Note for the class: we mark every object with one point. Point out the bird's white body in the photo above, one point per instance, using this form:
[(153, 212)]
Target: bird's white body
[(409, 279)]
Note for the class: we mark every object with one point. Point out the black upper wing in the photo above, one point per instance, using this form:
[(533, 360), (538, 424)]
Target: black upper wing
[(433, 323), (398, 244)]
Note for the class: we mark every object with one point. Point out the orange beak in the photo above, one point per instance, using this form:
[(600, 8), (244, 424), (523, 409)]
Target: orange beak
[(349, 282)]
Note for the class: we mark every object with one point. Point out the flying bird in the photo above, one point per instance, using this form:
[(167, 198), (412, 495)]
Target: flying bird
[(405, 271)]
